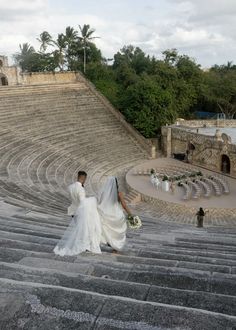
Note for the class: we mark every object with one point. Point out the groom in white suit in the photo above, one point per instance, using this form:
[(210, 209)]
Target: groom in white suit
[(84, 231), (77, 192)]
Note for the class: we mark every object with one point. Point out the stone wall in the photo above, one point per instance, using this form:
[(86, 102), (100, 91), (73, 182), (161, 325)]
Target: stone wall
[(14, 76), (41, 78), (206, 123), (208, 150)]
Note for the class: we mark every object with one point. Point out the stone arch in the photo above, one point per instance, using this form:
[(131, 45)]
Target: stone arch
[(225, 164), (191, 146), (3, 80)]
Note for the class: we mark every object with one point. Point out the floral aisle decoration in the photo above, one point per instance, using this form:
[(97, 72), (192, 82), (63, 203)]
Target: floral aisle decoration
[(154, 178)]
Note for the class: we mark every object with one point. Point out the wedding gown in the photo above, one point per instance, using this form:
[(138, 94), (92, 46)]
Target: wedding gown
[(113, 219), (84, 231)]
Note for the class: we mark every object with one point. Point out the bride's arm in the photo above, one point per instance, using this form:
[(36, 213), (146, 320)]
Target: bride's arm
[(123, 204)]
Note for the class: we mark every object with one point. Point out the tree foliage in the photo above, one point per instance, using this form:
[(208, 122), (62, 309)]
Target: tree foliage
[(150, 92), (70, 50)]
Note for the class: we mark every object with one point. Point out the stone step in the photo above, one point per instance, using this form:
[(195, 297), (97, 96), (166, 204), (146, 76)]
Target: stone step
[(37, 247), (203, 300), (38, 223), (51, 306), (15, 228), (184, 256), (185, 252), (226, 241), (147, 274), (205, 246), (56, 234), (7, 254)]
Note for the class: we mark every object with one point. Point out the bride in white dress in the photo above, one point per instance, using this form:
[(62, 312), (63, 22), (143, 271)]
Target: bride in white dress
[(111, 209), (84, 232)]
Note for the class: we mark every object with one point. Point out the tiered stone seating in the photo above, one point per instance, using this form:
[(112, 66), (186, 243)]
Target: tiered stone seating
[(188, 191), (169, 275), (196, 188), (52, 131), (206, 187), (223, 183), (215, 186)]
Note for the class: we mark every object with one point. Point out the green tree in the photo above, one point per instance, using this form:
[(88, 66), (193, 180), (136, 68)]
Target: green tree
[(24, 57), (71, 39), (60, 53), (170, 56), (220, 90), (132, 57), (147, 106), (86, 36), (45, 40)]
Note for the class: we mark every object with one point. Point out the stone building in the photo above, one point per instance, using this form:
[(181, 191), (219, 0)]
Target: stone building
[(9, 75), (216, 152)]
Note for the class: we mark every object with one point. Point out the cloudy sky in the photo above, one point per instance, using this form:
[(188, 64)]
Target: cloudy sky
[(203, 29)]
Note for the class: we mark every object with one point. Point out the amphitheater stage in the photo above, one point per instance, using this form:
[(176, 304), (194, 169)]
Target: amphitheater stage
[(138, 179)]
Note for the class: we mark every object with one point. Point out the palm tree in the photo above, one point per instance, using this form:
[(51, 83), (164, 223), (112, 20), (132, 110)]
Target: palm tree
[(71, 35), (46, 40), (21, 58), (86, 36), (59, 54)]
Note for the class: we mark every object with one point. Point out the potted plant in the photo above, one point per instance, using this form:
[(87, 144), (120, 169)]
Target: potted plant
[(165, 183)]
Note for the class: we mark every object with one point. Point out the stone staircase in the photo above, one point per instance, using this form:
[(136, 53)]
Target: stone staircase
[(170, 275)]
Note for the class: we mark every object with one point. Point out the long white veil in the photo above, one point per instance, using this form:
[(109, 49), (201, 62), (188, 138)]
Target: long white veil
[(108, 194), (112, 215)]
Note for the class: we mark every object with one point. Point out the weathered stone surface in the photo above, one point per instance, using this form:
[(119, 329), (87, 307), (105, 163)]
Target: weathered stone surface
[(159, 316), (200, 300), (76, 280)]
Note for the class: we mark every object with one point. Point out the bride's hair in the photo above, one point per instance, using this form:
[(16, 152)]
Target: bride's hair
[(109, 193), (117, 187)]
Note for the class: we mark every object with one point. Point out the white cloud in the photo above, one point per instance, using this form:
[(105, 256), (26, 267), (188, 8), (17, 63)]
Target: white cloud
[(204, 29), (13, 10)]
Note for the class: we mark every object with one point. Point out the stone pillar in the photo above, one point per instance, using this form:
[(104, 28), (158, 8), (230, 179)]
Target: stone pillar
[(153, 152), (168, 143)]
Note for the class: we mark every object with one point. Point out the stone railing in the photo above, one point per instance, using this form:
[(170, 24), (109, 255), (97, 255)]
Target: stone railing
[(207, 123), (182, 134)]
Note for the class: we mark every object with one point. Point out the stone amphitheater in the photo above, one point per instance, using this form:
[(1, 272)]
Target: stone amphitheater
[(171, 275)]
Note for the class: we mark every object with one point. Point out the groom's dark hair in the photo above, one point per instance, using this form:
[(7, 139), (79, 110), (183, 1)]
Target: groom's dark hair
[(81, 173)]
